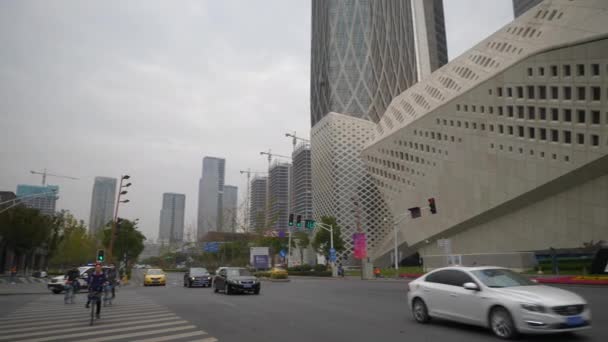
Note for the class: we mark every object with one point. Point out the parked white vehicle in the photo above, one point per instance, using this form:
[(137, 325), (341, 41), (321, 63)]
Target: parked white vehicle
[(497, 298)]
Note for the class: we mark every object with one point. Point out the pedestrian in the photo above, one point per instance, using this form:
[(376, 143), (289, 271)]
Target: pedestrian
[(377, 272), (71, 284), (13, 274), (112, 278), (341, 270)]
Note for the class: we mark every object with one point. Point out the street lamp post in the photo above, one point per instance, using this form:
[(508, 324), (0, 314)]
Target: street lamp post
[(399, 218), (114, 222), (334, 271)]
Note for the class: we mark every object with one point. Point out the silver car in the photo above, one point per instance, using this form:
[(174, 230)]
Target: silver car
[(498, 298)]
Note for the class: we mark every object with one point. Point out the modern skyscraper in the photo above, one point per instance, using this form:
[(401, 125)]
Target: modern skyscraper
[(257, 204), (43, 198), (301, 190), (102, 203), (522, 6), (278, 195), (210, 196), (171, 227), (230, 209), (510, 139), (364, 53)]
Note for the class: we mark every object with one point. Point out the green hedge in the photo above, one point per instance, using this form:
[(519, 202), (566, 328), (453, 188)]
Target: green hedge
[(311, 273), (262, 274), (278, 276)]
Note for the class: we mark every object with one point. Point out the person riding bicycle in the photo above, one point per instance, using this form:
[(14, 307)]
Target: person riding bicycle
[(71, 282), (97, 281), (112, 278)]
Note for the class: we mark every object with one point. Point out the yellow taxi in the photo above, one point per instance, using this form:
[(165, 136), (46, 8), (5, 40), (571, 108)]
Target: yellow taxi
[(278, 273), (155, 276)]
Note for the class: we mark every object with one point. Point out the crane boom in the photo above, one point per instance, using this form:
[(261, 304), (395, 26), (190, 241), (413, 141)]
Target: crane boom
[(44, 174)]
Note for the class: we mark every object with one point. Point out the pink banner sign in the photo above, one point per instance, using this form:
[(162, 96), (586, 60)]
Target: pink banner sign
[(360, 245)]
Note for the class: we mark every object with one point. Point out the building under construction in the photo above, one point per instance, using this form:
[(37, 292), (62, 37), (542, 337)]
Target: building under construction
[(301, 191), (278, 195), (257, 203)]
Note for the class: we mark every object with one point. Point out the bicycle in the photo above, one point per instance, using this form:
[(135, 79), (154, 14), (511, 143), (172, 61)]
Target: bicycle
[(94, 299)]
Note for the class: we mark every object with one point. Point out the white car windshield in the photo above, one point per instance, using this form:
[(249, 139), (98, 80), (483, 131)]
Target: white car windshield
[(499, 277), (198, 271)]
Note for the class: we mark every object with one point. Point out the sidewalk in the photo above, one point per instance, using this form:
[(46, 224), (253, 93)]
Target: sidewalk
[(23, 285)]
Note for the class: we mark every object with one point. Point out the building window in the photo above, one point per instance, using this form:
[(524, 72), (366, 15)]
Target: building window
[(542, 154), (490, 91), (510, 111), (580, 116), (542, 92), (554, 156), (554, 114), (530, 72), (520, 112), (509, 92), (595, 69), (596, 93), (531, 113), (501, 129), (567, 137), (483, 127), (541, 71), (568, 115), (530, 92), (520, 131), (466, 124), (566, 70), (580, 138), (542, 113), (490, 109), (458, 107), (459, 124), (466, 108), (554, 70), (482, 109), (581, 93), (500, 110), (554, 135), (445, 122), (491, 127), (520, 92), (543, 133), (499, 91), (595, 140), (595, 117), (580, 70), (531, 132), (473, 108), (554, 93), (452, 123), (567, 93), (510, 130)]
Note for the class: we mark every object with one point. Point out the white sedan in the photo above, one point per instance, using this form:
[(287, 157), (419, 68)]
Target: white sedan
[(498, 298)]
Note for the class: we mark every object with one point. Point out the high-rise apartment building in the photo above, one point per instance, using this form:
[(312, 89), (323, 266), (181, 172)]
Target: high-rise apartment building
[(102, 203), (210, 196), (522, 6), (510, 139), (43, 198), (171, 227), (230, 209), (301, 191), (364, 53), (278, 195), (257, 203)]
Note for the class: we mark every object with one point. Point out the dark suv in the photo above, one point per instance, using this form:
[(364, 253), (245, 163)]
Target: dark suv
[(197, 276), (235, 280)]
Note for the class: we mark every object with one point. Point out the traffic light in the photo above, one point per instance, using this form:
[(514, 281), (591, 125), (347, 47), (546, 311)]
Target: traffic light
[(432, 206), (299, 221), (309, 224), (291, 220), (414, 212), (101, 255)]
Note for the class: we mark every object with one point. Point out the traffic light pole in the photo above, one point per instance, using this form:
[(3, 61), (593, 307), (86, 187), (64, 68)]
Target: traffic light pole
[(334, 271), (432, 208)]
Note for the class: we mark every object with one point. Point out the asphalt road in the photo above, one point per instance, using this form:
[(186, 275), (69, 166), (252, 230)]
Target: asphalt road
[(304, 309)]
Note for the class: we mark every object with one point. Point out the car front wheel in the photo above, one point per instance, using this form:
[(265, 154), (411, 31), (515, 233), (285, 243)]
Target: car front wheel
[(227, 289), (502, 324), (56, 291), (420, 311)]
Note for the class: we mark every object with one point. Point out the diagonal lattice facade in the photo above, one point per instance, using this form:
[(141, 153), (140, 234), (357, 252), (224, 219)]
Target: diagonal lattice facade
[(342, 187)]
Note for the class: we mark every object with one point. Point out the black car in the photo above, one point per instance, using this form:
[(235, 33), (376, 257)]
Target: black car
[(197, 276), (236, 280)]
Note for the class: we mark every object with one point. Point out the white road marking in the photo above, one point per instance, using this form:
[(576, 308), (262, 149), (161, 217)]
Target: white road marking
[(142, 333), (79, 321), (173, 337)]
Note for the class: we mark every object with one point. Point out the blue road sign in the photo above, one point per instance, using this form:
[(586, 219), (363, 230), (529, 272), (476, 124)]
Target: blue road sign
[(332, 255), (282, 253), (211, 247)]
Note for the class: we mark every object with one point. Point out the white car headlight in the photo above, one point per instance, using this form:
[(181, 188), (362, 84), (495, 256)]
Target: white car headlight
[(533, 307)]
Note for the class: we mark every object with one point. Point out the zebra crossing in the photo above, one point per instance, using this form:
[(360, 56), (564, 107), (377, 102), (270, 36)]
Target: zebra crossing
[(130, 318), (22, 280)]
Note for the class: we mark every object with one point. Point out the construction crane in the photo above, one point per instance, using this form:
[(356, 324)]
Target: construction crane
[(248, 172), (295, 139), (270, 155), (45, 174)]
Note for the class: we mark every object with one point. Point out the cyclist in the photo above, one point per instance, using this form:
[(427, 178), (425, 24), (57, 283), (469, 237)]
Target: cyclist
[(71, 282), (97, 280), (112, 278)]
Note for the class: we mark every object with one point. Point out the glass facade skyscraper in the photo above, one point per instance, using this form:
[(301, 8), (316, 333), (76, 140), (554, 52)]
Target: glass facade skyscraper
[(171, 228), (210, 196), (102, 203)]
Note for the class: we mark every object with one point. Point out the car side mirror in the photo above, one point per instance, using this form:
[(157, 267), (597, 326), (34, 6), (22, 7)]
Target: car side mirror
[(471, 286)]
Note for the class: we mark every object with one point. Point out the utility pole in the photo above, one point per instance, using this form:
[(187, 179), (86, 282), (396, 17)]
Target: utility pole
[(45, 174), (330, 229), (248, 172)]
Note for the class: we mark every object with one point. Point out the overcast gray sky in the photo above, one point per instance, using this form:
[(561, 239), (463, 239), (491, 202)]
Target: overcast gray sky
[(147, 88)]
